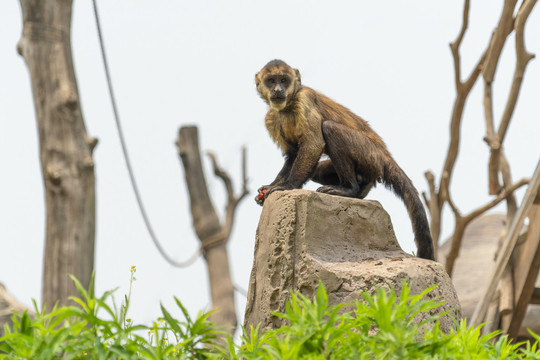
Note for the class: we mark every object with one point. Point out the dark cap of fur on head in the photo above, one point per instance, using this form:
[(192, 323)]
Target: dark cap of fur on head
[(276, 62)]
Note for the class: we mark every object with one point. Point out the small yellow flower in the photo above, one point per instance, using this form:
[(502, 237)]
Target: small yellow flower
[(133, 268)]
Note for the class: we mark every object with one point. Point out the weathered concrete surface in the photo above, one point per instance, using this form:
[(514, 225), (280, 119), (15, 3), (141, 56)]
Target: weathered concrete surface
[(348, 244)]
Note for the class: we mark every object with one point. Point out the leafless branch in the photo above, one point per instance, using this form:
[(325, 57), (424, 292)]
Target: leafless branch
[(446, 195), (503, 195), (522, 59), (463, 89), (454, 46), (222, 174), (511, 203), (462, 92), (434, 210), (463, 221), (505, 27), (431, 184), (233, 200), (212, 234)]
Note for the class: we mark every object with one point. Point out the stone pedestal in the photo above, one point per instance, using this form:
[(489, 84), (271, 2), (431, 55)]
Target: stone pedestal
[(348, 244)]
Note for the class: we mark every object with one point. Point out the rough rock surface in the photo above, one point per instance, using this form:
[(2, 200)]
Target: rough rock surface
[(348, 244)]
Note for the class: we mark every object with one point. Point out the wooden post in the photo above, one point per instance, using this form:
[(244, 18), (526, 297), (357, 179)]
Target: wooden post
[(509, 244), (525, 271)]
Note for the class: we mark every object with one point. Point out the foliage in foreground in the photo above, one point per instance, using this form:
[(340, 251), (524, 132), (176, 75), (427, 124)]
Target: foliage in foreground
[(97, 330)]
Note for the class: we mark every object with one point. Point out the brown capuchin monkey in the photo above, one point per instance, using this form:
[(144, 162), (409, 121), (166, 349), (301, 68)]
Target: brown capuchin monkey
[(306, 124)]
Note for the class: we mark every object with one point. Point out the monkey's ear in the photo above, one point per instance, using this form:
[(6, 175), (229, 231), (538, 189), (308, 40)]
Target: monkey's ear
[(298, 78), (257, 81)]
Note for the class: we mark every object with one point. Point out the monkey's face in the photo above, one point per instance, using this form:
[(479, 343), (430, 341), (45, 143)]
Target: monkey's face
[(277, 83)]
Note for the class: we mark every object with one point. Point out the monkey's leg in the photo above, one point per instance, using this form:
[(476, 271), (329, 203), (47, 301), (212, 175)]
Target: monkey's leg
[(325, 174), (365, 186), (354, 158)]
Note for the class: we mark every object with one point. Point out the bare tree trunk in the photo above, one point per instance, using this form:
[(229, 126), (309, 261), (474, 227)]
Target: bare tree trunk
[(66, 149), (212, 234)]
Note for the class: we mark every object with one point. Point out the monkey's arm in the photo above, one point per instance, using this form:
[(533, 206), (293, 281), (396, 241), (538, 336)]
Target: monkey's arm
[(297, 169), (302, 167), (286, 169), (280, 178)]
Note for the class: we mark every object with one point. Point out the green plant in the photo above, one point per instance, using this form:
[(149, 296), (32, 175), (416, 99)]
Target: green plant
[(382, 326), (96, 330)]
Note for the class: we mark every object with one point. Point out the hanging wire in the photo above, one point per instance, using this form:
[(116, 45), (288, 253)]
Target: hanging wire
[(153, 236)]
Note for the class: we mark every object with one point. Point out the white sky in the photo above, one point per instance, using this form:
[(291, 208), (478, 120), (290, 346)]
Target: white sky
[(176, 63)]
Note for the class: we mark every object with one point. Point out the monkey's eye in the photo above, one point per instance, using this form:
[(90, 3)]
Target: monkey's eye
[(270, 82), (283, 80)]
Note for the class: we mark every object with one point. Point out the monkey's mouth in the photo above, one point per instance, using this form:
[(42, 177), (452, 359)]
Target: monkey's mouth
[(278, 99)]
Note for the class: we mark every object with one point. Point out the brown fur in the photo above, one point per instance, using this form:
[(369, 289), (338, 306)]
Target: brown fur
[(306, 124)]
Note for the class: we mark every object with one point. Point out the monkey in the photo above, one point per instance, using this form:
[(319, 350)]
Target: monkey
[(306, 125)]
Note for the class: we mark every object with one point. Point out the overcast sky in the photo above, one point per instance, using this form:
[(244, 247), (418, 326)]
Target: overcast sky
[(178, 63)]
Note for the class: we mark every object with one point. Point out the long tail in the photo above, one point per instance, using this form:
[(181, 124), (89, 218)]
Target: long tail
[(395, 179)]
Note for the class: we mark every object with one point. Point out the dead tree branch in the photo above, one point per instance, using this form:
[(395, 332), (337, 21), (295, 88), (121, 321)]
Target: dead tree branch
[(212, 234), (463, 221), (487, 66), (493, 138), (522, 59), (436, 201)]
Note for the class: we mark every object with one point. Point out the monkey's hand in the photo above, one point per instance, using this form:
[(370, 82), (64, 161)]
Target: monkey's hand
[(265, 191), (259, 199), (281, 187)]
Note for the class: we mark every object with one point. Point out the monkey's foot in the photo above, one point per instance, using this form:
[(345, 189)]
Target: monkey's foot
[(338, 190)]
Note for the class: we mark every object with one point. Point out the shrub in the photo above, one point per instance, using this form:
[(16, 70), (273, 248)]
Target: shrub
[(97, 330), (380, 327)]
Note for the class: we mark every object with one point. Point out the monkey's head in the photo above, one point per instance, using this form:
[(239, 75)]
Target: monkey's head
[(278, 83)]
